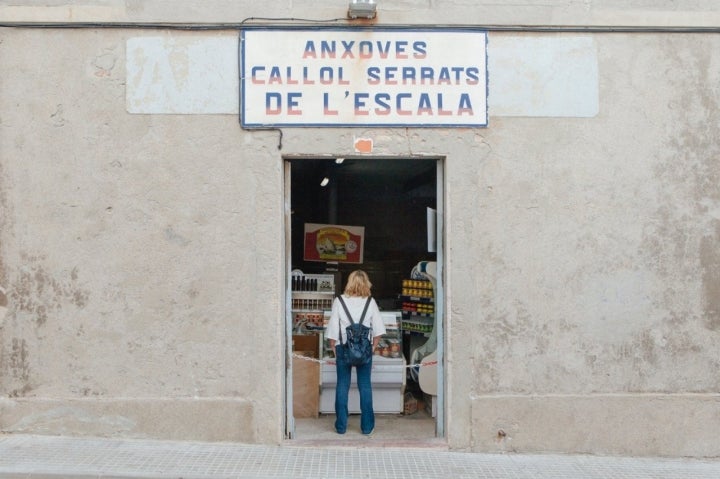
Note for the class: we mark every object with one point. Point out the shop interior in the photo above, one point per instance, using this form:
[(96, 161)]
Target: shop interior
[(390, 205)]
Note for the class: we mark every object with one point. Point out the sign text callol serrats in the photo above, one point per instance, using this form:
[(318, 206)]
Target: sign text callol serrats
[(369, 77)]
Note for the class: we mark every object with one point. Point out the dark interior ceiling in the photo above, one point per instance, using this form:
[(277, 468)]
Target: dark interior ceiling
[(404, 174)]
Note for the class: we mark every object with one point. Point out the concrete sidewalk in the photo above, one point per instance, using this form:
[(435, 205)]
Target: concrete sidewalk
[(48, 457)]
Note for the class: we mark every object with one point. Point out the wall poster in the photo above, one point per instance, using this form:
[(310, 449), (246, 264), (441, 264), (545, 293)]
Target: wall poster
[(334, 243)]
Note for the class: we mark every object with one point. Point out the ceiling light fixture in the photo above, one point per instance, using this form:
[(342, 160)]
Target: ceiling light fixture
[(362, 9), (339, 161), (325, 181)]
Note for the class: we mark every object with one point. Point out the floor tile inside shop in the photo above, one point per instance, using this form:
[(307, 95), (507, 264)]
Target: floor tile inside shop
[(416, 429)]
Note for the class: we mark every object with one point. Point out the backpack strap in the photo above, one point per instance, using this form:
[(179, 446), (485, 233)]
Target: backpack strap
[(348, 315), (367, 304), (347, 312), (362, 318)]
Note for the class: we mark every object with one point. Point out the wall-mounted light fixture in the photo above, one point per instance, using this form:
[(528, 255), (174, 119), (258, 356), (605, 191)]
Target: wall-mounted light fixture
[(362, 9)]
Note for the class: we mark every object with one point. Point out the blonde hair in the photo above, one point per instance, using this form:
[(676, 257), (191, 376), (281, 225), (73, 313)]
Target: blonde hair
[(358, 284)]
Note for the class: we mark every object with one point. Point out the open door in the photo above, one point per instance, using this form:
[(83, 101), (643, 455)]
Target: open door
[(289, 417)]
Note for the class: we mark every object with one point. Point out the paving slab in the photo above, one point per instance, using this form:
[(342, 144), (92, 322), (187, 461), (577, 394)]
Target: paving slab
[(43, 457)]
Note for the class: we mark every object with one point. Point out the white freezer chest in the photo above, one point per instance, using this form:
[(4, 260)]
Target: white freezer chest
[(388, 377), (388, 384)]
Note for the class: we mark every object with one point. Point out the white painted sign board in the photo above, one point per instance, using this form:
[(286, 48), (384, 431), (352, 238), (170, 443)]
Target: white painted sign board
[(340, 76)]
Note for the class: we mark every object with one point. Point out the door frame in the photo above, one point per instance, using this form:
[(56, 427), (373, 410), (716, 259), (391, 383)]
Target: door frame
[(289, 419)]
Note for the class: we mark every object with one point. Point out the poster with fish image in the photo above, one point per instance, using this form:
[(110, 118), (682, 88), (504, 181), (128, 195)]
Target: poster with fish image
[(334, 243)]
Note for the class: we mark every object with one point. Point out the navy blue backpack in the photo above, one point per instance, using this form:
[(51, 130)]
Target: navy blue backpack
[(359, 348)]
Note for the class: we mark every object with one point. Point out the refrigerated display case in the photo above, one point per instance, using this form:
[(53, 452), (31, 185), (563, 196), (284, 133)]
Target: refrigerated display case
[(388, 372)]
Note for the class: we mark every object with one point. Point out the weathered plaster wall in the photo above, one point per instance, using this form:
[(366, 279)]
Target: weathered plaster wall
[(141, 255), (430, 12), (593, 271)]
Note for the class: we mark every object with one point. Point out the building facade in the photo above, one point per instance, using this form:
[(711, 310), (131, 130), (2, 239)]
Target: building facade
[(143, 258)]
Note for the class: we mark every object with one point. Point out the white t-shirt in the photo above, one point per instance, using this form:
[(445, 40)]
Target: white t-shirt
[(355, 304)]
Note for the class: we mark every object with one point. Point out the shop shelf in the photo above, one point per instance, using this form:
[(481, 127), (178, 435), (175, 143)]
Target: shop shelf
[(415, 314), (416, 299)]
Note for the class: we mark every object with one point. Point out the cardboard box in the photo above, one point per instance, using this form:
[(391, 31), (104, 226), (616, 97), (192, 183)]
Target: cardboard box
[(411, 404), (306, 342), (306, 386)]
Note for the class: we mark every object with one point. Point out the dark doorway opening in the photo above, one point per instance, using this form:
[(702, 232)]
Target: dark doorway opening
[(390, 198)]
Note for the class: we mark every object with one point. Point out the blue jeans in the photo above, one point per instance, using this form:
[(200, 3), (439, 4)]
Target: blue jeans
[(344, 371)]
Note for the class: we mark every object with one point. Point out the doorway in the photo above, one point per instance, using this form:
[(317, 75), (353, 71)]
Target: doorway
[(397, 203)]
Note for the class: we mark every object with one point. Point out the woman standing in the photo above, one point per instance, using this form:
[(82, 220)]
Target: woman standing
[(357, 291)]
